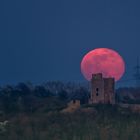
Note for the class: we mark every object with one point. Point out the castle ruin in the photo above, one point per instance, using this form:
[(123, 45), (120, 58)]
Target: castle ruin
[(102, 90)]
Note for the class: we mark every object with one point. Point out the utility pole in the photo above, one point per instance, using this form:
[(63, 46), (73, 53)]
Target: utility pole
[(137, 73)]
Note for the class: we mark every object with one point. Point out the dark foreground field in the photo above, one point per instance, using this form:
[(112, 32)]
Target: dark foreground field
[(101, 122)]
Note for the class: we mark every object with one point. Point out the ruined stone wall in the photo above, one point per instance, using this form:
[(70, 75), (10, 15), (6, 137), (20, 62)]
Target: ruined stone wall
[(72, 106), (132, 107)]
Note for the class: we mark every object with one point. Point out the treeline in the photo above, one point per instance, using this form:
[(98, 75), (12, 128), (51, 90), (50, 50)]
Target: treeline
[(28, 98), (129, 95)]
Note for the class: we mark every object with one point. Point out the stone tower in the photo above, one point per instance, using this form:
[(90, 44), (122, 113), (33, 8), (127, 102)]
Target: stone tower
[(102, 90)]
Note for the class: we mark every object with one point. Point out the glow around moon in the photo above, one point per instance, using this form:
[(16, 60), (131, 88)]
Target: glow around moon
[(105, 61)]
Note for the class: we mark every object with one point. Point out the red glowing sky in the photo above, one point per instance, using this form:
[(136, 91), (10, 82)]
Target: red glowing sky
[(105, 61)]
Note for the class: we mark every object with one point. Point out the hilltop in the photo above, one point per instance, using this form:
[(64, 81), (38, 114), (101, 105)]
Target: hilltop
[(35, 113)]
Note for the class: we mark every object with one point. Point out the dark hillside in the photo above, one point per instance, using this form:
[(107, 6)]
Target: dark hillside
[(30, 112), (100, 122)]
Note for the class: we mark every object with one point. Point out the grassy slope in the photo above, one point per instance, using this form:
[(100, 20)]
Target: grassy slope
[(98, 123)]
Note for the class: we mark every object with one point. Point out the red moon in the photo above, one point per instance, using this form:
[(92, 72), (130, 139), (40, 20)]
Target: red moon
[(105, 61)]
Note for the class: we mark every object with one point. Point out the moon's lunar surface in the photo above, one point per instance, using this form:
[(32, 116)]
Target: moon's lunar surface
[(105, 61)]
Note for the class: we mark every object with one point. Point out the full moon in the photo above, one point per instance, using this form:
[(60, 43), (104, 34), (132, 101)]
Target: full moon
[(105, 61)]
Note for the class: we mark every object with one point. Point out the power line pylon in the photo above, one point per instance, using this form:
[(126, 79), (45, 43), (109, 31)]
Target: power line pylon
[(137, 73)]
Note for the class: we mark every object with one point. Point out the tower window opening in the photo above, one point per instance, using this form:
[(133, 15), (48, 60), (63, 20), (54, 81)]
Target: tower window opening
[(97, 94), (97, 90)]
